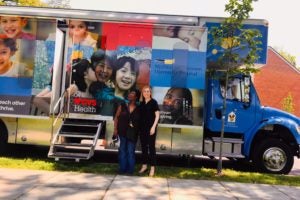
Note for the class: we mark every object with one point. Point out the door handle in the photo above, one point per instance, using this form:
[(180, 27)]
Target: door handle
[(218, 113)]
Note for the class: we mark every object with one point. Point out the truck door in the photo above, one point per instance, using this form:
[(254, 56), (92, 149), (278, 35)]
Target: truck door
[(240, 105)]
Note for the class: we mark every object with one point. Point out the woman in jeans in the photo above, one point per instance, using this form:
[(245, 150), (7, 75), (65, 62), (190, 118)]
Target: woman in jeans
[(126, 126), (149, 120)]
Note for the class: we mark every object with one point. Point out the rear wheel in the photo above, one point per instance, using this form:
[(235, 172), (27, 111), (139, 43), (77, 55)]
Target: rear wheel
[(273, 156)]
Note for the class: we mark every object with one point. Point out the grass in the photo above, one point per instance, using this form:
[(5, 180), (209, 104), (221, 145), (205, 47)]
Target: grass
[(164, 172)]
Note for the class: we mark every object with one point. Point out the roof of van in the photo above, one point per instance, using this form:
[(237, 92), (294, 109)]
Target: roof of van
[(62, 13)]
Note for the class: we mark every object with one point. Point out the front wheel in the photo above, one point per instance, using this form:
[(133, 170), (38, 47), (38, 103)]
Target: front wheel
[(273, 156)]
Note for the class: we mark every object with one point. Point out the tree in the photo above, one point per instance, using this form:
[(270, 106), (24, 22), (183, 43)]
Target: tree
[(287, 56), (287, 103), (231, 35), (7, 2), (58, 3), (35, 3)]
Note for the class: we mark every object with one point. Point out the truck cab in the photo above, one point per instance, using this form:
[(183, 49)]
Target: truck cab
[(266, 136)]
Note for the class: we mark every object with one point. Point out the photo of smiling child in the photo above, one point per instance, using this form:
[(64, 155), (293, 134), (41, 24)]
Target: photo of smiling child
[(126, 72), (13, 27), (8, 66), (168, 35), (81, 43)]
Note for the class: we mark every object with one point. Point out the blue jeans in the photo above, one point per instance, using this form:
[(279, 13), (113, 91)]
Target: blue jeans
[(126, 155)]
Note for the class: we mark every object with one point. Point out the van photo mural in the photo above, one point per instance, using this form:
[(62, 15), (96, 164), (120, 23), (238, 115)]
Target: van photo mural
[(102, 62), (25, 63)]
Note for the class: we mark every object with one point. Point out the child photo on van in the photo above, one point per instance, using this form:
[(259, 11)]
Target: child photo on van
[(189, 35), (126, 72), (13, 27), (81, 43), (8, 66)]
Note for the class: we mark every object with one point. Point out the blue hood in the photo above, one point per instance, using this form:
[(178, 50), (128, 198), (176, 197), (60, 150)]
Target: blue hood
[(269, 112)]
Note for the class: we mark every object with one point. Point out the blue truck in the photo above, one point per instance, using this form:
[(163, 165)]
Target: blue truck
[(65, 80)]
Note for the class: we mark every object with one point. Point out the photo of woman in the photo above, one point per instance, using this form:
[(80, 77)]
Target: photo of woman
[(103, 88)]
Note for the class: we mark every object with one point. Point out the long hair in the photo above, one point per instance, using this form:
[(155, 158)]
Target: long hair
[(79, 67), (176, 31), (146, 87)]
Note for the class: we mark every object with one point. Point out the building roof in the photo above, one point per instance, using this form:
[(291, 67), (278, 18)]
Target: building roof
[(276, 80)]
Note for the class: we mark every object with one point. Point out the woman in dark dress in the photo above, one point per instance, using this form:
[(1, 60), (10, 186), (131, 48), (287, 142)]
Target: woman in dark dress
[(126, 126), (149, 120)]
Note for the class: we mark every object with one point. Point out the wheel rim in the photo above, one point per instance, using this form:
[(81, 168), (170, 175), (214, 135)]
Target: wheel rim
[(274, 159)]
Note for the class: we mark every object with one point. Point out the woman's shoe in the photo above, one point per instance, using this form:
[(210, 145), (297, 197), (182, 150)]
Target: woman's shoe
[(152, 171), (143, 169)]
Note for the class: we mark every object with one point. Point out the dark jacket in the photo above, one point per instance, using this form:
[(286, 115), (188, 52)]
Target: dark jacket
[(126, 118)]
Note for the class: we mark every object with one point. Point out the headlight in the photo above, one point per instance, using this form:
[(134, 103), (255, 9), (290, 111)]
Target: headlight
[(298, 129)]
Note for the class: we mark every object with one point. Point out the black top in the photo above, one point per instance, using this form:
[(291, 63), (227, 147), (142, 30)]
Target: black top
[(148, 114), (126, 117)]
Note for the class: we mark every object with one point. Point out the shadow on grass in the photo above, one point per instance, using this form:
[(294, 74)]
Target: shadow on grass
[(36, 158)]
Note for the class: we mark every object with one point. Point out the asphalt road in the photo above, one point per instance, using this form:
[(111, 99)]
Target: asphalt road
[(28, 151)]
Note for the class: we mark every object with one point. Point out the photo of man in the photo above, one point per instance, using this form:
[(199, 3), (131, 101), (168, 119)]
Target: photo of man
[(180, 106)]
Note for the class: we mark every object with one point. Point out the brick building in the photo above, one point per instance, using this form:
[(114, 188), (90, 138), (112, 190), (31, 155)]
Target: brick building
[(276, 80)]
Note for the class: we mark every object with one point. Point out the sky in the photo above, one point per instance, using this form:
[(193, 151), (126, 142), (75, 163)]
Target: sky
[(284, 30)]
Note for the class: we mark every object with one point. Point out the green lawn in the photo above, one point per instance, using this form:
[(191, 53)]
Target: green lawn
[(165, 172)]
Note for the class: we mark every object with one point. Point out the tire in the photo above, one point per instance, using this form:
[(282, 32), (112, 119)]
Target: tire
[(273, 156)]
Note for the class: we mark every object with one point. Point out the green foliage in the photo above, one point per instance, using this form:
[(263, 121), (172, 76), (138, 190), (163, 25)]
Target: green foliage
[(287, 56), (38, 3), (34, 3), (231, 35), (287, 104), (7, 2), (59, 3)]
